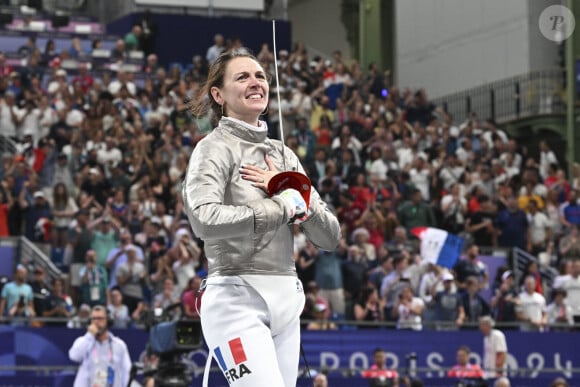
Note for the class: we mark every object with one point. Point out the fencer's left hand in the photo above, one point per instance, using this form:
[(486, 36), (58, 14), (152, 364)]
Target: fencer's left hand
[(258, 176)]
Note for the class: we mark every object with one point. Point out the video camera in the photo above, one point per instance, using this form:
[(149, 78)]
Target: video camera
[(169, 338)]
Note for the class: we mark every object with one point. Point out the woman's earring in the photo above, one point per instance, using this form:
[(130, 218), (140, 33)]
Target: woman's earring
[(222, 105)]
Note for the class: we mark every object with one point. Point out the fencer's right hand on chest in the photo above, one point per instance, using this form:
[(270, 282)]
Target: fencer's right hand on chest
[(295, 206)]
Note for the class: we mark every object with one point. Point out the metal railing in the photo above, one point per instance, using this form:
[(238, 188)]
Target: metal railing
[(29, 251), (537, 92), (7, 145), (520, 261), (30, 255)]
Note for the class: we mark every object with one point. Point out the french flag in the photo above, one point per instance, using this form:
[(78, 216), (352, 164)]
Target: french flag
[(438, 246), (236, 349)]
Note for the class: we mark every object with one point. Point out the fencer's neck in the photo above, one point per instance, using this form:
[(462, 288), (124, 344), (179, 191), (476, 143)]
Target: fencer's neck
[(260, 128)]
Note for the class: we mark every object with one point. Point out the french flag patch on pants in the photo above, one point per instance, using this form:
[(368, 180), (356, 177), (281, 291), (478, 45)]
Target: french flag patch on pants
[(232, 359)]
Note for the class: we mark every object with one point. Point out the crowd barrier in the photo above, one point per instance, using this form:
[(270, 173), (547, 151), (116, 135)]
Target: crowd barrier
[(216, 380), (534, 358)]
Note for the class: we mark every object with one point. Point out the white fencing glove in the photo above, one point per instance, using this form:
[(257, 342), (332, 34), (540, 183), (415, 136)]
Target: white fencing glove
[(296, 207)]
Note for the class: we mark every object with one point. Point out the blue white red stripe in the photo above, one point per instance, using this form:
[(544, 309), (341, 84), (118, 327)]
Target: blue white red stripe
[(236, 350)]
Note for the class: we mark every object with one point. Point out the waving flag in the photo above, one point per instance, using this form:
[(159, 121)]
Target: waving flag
[(438, 246)]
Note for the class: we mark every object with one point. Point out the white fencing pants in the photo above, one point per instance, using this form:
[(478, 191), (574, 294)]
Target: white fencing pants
[(251, 325)]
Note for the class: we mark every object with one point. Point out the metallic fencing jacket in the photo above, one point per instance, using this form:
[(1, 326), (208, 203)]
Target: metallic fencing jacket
[(245, 231)]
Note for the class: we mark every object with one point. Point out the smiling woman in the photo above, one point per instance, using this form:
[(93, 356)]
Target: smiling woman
[(246, 91), (252, 299), (241, 92)]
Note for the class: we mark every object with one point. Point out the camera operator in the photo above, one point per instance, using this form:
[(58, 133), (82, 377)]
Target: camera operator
[(104, 358)]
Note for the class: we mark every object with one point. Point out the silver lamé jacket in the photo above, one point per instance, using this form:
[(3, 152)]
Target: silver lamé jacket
[(244, 231)]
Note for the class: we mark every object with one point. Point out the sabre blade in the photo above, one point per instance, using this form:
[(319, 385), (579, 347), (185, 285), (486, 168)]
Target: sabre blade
[(280, 124)]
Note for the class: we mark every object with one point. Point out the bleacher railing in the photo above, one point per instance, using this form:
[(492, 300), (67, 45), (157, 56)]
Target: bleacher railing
[(535, 93), (7, 145), (520, 261), (30, 254)]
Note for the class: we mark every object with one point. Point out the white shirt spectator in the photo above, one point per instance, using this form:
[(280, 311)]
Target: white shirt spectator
[(408, 320), (75, 118), (109, 156), (273, 108), (512, 171), (90, 145), (132, 287), (30, 122), (539, 222), (166, 106), (572, 287), (532, 306), (493, 344), (119, 315), (379, 169), (55, 89), (421, 179), (405, 156), (539, 189), (415, 271), (487, 136), (454, 208), (302, 103), (184, 271), (517, 159), (546, 158), (48, 117), (7, 125), (353, 144), (464, 155), (212, 53), (557, 313), (122, 258), (559, 280), (116, 85)]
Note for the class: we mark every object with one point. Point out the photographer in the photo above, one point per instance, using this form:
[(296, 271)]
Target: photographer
[(58, 305), (17, 297), (104, 358), (94, 281)]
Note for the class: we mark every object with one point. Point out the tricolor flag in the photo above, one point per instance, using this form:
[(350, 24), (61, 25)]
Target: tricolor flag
[(438, 246), (235, 352)]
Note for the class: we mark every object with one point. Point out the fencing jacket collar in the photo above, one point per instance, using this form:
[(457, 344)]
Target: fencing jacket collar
[(244, 130)]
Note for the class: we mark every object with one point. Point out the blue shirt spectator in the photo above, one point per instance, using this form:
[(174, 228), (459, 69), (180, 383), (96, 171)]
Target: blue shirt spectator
[(571, 210), (17, 296), (513, 225)]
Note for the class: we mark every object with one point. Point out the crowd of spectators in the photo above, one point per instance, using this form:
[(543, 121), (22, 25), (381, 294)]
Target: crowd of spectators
[(100, 158)]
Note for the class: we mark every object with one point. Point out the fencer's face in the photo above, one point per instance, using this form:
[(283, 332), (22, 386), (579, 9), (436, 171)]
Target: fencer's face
[(245, 90)]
